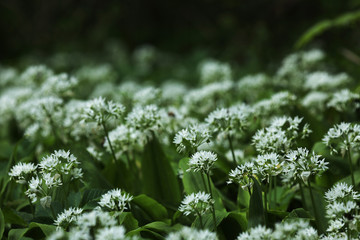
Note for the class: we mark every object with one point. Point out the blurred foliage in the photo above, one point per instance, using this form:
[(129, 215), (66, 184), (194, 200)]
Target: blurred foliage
[(254, 35)]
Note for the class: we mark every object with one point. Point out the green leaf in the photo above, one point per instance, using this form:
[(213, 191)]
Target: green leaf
[(151, 210), (16, 234), (208, 221), (298, 213), (2, 224), (35, 231), (12, 217), (155, 230), (233, 224), (159, 179), (193, 183), (128, 221), (325, 25), (90, 195), (256, 209)]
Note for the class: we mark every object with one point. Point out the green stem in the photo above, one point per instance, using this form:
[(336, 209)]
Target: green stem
[(302, 195), (200, 220), (231, 148), (350, 165), (313, 201), (211, 195), (275, 192), (108, 139), (203, 180), (270, 190), (265, 205), (249, 190)]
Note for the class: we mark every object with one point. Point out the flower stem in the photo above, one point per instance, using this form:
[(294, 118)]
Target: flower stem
[(108, 139), (211, 195), (302, 195), (313, 201), (203, 180), (350, 165), (270, 190), (231, 148), (275, 192)]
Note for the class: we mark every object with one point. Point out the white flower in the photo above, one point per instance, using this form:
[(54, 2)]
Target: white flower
[(342, 99), (68, 216), (95, 218), (256, 233), (202, 161), (214, 71), (192, 234), (300, 164), (116, 200), (196, 203), (268, 165), (144, 118), (242, 175), (323, 80), (22, 171), (191, 138), (99, 110), (111, 233), (341, 191)]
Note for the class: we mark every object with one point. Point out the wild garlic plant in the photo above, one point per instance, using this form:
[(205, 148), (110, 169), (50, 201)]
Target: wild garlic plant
[(203, 162), (188, 140), (344, 138), (197, 204), (93, 225), (59, 169), (342, 210), (100, 111), (115, 200), (226, 122), (281, 135)]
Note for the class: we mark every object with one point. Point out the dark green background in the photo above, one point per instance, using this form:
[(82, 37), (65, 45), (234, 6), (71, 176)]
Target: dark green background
[(253, 33)]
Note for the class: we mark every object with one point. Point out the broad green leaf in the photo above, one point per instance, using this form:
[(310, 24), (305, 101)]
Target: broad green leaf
[(90, 195), (233, 224), (128, 221), (154, 230), (35, 231), (151, 210), (159, 179), (256, 209), (193, 183), (208, 220), (12, 217)]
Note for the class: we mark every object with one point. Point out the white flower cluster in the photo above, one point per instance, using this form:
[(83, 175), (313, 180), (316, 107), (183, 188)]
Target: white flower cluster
[(281, 135), (243, 174), (99, 110), (342, 210), (94, 225), (325, 81), (290, 229), (274, 104), (67, 217), (189, 139), (197, 204), (228, 120), (53, 171), (115, 200), (343, 100), (300, 164), (145, 118), (202, 161), (342, 136), (187, 233), (268, 165), (214, 71)]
